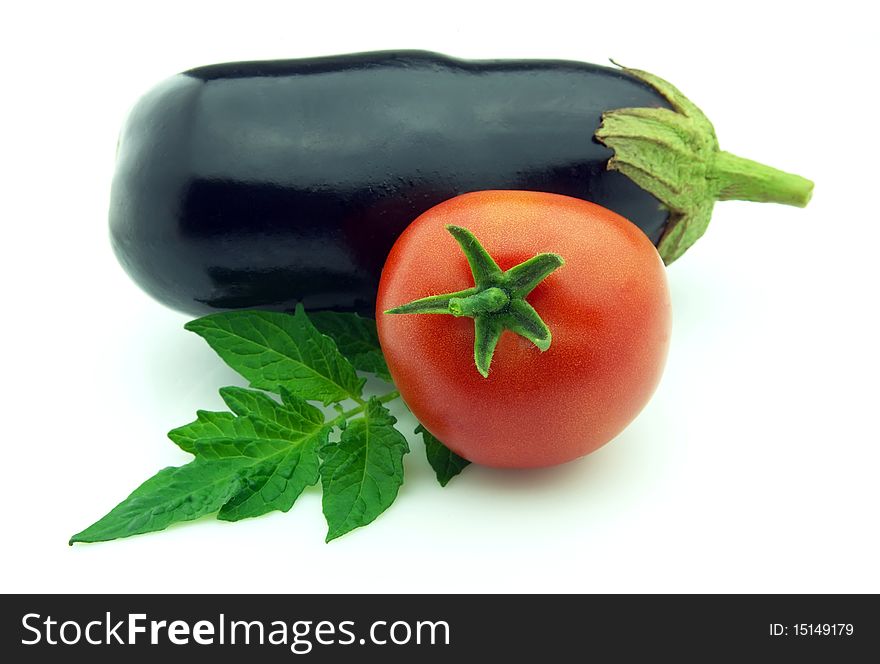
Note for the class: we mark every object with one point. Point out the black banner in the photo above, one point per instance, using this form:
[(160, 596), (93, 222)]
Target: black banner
[(277, 628)]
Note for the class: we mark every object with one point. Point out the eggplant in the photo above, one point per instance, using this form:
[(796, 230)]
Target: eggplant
[(264, 184)]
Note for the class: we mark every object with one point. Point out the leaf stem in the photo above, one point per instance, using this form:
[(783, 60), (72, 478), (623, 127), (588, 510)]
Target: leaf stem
[(347, 414)]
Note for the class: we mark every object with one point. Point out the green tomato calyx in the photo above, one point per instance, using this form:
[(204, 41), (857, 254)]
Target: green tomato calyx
[(496, 302)]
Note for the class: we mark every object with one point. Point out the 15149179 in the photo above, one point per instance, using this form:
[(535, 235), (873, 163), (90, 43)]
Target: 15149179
[(812, 629)]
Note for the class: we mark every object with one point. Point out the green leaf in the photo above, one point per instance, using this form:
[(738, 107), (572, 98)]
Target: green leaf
[(294, 414), (362, 473), (171, 495), (276, 442), (246, 465), (277, 472), (262, 417), (356, 338), (276, 351), (210, 424), (446, 463)]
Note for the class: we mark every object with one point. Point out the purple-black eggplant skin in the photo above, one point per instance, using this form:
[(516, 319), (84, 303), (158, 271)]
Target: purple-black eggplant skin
[(263, 184)]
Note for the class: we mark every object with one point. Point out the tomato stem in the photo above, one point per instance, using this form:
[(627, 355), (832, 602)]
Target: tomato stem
[(497, 300), (485, 302)]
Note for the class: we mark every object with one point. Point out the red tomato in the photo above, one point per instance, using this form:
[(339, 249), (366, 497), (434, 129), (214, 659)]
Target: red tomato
[(607, 308)]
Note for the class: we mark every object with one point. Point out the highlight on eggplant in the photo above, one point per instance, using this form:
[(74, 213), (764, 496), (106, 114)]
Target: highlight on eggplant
[(264, 184)]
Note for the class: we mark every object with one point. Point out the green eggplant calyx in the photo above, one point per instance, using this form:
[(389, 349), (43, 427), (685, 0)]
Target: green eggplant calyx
[(496, 302), (674, 155)]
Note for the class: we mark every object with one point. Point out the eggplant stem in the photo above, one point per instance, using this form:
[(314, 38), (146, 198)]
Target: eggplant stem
[(740, 179), (674, 155)]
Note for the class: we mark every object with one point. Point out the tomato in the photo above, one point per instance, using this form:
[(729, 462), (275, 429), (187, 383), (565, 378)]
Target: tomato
[(607, 309)]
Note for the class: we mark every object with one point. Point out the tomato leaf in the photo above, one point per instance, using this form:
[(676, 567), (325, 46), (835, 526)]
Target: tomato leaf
[(277, 473), (281, 454), (171, 495), (275, 350), (356, 338), (260, 417), (363, 472), (262, 454), (446, 463), (246, 465)]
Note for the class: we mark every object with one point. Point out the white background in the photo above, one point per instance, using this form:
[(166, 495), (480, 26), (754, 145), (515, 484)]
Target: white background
[(754, 468)]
